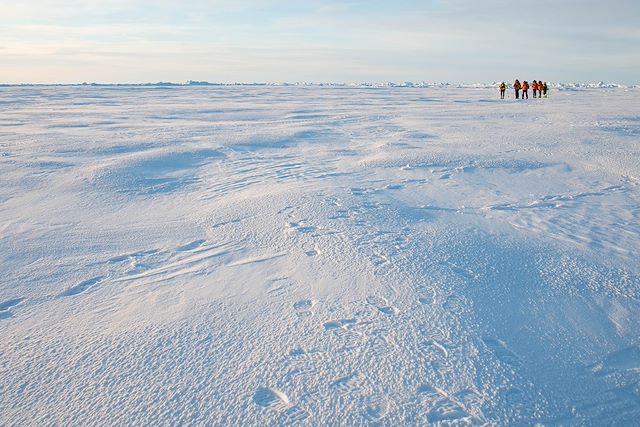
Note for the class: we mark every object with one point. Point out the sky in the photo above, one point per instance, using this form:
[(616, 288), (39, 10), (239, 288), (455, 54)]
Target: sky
[(457, 41)]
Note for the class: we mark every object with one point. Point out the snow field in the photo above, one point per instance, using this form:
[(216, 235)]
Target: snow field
[(318, 256)]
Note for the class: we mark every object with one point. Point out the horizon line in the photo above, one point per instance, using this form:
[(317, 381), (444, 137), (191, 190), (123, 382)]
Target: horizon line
[(423, 84)]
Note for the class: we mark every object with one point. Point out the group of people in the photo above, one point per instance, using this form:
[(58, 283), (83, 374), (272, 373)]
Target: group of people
[(539, 89)]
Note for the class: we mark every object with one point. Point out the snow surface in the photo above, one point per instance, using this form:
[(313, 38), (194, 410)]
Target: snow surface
[(318, 256)]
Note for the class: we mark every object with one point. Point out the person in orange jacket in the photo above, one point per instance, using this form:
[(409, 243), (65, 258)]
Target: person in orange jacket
[(534, 88), (540, 87), (516, 87), (525, 89)]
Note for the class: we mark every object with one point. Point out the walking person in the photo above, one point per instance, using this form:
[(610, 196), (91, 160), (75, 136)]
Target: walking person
[(534, 87), (516, 88), (525, 89), (503, 89), (545, 88), (540, 87)]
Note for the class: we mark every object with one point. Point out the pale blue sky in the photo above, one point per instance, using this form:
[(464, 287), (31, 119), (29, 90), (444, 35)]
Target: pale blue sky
[(55, 41)]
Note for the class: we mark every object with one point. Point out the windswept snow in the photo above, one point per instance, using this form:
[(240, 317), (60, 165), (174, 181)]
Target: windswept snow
[(318, 256)]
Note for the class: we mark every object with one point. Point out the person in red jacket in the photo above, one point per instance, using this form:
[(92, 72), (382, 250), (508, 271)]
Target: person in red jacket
[(525, 89), (516, 87), (534, 88)]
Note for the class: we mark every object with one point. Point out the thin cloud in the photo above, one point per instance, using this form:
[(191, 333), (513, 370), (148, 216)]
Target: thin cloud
[(445, 40)]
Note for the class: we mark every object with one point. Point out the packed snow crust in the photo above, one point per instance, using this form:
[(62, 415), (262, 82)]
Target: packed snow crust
[(201, 255)]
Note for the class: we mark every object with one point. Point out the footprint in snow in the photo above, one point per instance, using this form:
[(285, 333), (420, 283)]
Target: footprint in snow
[(394, 187), (502, 352), (305, 355), (312, 252), (339, 324), (270, 398), (190, 246), (448, 411), (427, 296), (135, 255), (470, 399), (454, 304), (627, 359), (279, 287), (7, 305), (377, 408), (433, 350), (464, 273), (303, 308), (430, 393), (348, 384), (380, 344), (300, 227), (382, 305), (81, 287), (294, 416), (443, 408)]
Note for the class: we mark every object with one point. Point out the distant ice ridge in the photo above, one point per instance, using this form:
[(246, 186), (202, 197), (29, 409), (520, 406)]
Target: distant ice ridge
[(559, 86)]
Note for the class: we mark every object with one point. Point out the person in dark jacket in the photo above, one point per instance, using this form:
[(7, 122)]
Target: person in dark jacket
[(545, 88), (503, 89)]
